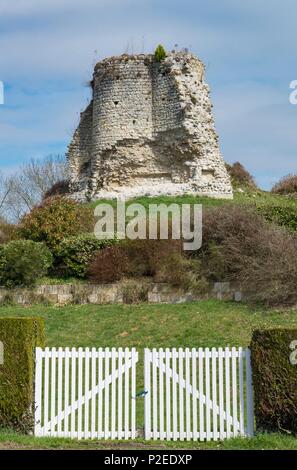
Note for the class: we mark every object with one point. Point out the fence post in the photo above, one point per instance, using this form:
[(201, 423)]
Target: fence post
[(147, 398), (38, 385), (250, 396)]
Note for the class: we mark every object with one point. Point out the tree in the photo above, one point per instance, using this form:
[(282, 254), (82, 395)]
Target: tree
[(20, 192), (160, 53)]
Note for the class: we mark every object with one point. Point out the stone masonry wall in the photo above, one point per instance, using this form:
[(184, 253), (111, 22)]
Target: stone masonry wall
[(62, 294), (149, 130)]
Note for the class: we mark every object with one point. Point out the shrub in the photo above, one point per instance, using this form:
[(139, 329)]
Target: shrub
[(147, 256), (109, 265), (22, 262), (283, 214), (239, 246), (287, 185), (240, 177), (182, 273), (74, 254), (132, 258), (55, 219), (160, 53), (134, 291), (19, 337), (61, 188), (7, 231), (275, 380), (224, 223)]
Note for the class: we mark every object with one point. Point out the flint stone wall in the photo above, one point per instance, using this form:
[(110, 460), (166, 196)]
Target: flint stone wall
[(148, 130), (62, 294)]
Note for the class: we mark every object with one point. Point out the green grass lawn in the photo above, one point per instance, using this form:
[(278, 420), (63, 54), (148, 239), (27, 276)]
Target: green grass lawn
[(209, 323), (10, 440), (200, 324)]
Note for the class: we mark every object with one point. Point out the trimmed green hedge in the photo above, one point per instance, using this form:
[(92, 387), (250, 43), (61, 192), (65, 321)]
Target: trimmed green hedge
[(275, 379), (19, 337)]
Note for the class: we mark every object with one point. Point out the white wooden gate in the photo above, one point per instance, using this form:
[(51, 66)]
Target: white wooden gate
[(198, 394), (85, 393)]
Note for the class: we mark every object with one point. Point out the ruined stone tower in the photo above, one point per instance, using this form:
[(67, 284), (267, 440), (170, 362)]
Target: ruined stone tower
[(148, 130)]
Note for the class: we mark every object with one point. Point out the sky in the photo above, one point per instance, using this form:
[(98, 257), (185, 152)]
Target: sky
[(48, 49)]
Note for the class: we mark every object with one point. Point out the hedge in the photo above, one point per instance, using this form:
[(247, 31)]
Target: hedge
[(275, 379), (19, 337)]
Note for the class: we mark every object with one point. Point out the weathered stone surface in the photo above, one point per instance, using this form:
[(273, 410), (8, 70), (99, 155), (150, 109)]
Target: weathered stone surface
[(148, 130), (62, 294)]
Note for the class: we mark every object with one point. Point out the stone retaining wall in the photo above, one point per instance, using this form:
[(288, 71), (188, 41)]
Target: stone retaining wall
[(107, 294)]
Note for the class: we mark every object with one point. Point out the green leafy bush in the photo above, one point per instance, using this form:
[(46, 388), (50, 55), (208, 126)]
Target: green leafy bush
[(160, 53), (22, 262), (283, 214), (19, 337), (7, 231), (74, 254), (275, 380), (54, 220)]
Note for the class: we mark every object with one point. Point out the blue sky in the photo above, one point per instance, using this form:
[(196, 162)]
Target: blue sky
[(48, 49)]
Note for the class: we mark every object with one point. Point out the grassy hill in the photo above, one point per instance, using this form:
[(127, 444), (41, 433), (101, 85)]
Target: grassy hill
[(276, 208), (248, 196)]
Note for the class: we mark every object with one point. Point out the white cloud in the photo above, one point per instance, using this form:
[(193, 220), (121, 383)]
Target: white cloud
[(47, 50)]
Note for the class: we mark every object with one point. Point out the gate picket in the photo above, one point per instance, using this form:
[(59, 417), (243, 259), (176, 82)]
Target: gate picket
[(222, 397), (81, 387), (198, 394)]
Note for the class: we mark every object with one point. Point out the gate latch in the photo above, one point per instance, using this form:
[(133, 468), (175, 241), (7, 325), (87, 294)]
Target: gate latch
[(140, 394)]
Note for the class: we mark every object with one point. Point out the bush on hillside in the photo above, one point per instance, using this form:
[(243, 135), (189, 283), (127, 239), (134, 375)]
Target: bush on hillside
[(239, 246), (133, 258), (7, 231), (74, 254), (22, 262), (240, 177), (287, 185), (134, 291), (61, 188), (54, 220), (108, 266), (147, 256), (282, 214), (182, 273)]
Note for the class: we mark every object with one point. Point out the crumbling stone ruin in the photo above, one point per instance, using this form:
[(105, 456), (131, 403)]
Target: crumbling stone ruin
[(148, 130)]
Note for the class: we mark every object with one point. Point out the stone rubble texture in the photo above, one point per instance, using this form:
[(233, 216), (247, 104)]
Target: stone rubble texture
[(148, 130)]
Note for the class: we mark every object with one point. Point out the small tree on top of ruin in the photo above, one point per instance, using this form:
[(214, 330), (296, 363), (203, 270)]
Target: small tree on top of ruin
[(160, 53)]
